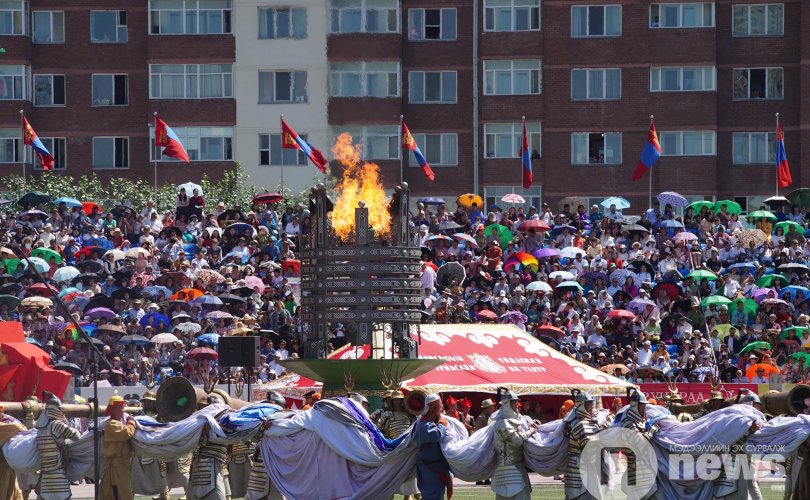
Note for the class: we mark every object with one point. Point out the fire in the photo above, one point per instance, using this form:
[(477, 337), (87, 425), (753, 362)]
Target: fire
[(360, 182)]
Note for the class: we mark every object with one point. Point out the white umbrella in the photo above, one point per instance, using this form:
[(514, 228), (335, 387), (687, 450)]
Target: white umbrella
[(565, 275), (513, 198), (164, 338), (540, 286), (571, 252), (190, 187), (66, 273), (134, 253)]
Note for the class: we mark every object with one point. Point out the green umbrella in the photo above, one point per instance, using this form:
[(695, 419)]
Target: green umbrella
[(749, 306), (767, 280), (714, 299), (785, 225), (801, 356), (762, 214), (732, 207), (503, 233), (723, 330), (11, 265), (755, 345), (800, 197), (46, 254), (797, 329), (700, 274), (697, 206), (11, 301)]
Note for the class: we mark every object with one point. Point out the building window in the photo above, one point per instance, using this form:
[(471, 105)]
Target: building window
[(512, 77), (110, 152), (11, 146), (685, 79), (511, 15), (190, 81), (13, 14), (13, 82), (272, 154), (682, 15), (49, 90), (754, 148), (759, 83), (440, 150), (108, 26), (493, 195), (688, 143), (596, 20), (282, 86), (48, 26), (365, 79), (432, 87), (596, 84), (110, 90), (201, 144), (365, 16), (758, 20), (588, 148), (503, 140), (431, 24), (282, 23), (57, 146), (190, 17), (381, 142)]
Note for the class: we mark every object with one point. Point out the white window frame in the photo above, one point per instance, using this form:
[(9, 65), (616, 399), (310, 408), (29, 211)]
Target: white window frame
[(704, 69), (192, 72), (19, 19), (300, 157), (770, 147), (768, 71), (419, 33), (115, 152), (748, 8), (112, 76), (708, 140), (657, 6), (273, 13), (448, 150), (343, 69), (363, 135), (12, 137), (587, 10), (20, 77), (589, 91), (53, 15), (52, 79), (336, 16), (191, 138), (49, 142), (118, 26), (490, 74), (534, 132), (227, 19), (577, 136), (493, 195), (492, 6), (294, 76), (414, 75)]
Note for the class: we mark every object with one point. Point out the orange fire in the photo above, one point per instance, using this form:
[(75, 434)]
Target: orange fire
[(360, 182)]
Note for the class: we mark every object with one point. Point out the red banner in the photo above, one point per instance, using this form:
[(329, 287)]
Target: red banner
[(694, 393)]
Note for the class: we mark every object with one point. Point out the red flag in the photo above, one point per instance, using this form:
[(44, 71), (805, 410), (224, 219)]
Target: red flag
[(168, 140), (783, 177)]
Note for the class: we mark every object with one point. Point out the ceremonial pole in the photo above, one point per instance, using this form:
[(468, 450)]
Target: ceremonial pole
[(402, 152), (282, 156), (22, 155), (649, 199), (523, 121)]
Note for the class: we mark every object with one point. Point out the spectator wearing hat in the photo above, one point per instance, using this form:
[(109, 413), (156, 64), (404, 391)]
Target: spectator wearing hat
[(487, 409), (116, 479)]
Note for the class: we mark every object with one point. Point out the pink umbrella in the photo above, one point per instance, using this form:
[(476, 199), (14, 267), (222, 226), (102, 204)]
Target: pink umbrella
[(254, 282), (685, 236), (513, 198), (466, 238)]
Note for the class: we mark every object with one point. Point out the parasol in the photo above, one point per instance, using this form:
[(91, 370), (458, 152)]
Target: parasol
[(449, 272), (672, 198)]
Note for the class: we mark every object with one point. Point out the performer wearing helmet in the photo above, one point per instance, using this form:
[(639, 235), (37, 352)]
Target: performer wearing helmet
[(53, 432), (580, 426), (511, 480), (116, 480), (432, 470), (393, 424), (259, 486), (208, 480), (741, 486), (635, 418)]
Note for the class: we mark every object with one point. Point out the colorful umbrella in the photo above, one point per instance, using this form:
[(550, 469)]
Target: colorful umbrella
[(513, 198), (154, 291), (621, 203), (749, 267), (100, 312), (767, 280), (671, 289), (467, 200), (439, 237), (755, 236), (762, 293), (43, 289), (466, 238), (487, 314), (11, 265), (209, 338), (723, 330), (186, 294), (672, 198), (210, 277), (157, 320), (732, 207), (252, 281), (794, 289), (524, 259), (294, 265), (684, 236), (40, 265), (217, 315), (208, 300), (89, 207)]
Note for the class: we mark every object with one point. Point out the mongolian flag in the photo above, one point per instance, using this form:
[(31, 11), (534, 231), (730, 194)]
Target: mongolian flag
[(525, 161), (168, 140), (410, 144), (30, 139), (782, 168), (652, 151), (291, 140)]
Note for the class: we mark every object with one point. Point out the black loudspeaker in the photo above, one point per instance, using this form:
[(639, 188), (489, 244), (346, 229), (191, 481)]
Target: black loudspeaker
[(239, 351)]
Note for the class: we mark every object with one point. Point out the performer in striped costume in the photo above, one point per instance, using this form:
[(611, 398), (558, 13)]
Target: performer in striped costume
[(52, 433), (635, 419), (239, 467), (207, 480), (259, 486), (393, 424), (580, 426)]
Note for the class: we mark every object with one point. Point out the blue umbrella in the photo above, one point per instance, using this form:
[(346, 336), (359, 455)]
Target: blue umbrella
[(569, 286), (439, 237), (673, 198), (39, 264), (154, 291), (743, 266), (559, 229), (209, 300), (157, 319), (69, 202), (209, 338), (432, 200), (33, 341), (620, 202), (100, 242), (240, 228), (793, 289), (671, 223)]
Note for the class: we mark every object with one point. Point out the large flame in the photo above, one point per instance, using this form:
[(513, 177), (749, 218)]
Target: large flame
[(360, 182)]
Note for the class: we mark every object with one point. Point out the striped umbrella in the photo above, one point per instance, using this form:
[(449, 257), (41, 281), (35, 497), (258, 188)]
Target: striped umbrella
[(672, 198)]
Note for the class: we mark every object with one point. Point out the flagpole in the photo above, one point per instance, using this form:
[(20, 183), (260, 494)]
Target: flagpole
[(154, 162), (649, 200), (523, 121), (282, 157), (401, 151), (22, 156), (777, 147)]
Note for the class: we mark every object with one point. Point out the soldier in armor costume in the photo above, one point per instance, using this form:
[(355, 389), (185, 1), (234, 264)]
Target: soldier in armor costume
[(259, 486), (579, 427), (635, 419), (53, 432), (239, 468), (208, 478), (393, 424), (740, 488), (510, 479), (9, 427), (382, 412)]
